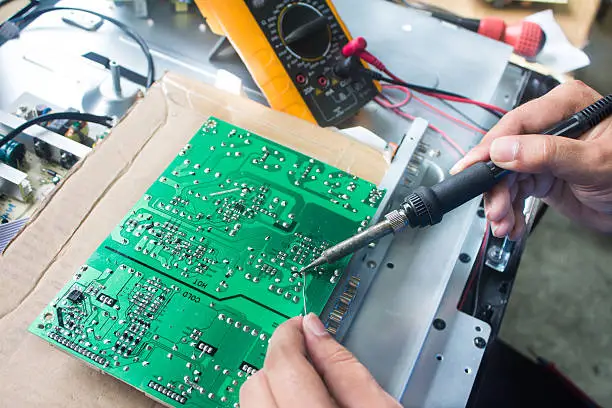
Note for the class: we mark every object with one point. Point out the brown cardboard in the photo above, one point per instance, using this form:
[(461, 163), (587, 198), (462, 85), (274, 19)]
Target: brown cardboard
[(93, 199), (9, 9)]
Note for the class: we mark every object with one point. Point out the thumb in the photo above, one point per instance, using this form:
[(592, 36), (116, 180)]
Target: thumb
[(349, 382), (572, 160)]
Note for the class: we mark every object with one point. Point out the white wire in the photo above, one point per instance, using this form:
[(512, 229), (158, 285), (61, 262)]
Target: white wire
[(304, 291)]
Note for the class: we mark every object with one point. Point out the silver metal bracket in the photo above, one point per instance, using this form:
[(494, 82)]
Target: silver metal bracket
[(364, 272)]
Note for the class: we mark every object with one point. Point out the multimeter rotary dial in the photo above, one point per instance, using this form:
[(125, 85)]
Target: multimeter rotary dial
[(304, 31)]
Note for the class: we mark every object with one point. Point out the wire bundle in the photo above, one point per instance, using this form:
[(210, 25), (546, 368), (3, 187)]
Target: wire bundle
[(355, 50)]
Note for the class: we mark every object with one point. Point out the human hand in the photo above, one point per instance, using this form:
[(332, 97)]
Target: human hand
[(572, 176), (306, 367)]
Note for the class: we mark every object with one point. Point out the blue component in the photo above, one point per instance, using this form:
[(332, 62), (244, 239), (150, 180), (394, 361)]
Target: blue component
[(12, 153)]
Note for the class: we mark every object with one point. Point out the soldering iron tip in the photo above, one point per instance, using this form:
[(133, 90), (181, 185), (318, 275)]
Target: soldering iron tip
[(313, 264)]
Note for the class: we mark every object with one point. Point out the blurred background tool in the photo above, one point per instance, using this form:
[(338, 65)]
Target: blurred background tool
[(525, 37), (526, 3)]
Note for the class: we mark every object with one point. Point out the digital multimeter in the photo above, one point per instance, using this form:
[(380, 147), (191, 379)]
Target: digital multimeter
[(290, 49)]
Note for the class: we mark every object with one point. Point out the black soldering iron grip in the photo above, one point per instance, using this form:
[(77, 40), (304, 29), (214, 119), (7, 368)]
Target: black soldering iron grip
[(426, 205), (596, 113), (583, 121)]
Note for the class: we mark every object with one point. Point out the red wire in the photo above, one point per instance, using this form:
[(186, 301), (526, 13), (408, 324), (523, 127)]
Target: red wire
[(477, 266), (391, 74), (465, 100), (448, 139), (448, 97), (410, 95), (403, 102), (370, 58), (386, 103)]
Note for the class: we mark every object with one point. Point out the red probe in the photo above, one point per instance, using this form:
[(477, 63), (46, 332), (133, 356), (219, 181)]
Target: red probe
[(525, 37)]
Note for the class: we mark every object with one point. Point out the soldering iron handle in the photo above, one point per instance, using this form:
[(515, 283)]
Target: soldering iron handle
[(426, 205)]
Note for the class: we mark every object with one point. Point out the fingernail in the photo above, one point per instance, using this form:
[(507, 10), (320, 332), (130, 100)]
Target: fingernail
[(494, 228), (314, 325), (504, 149), (455, 169)]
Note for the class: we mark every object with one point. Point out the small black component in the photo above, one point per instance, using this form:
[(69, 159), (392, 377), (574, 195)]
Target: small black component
[(75, 296), (60, 317), (67, 160), (42, 149), (107, 300), (207, 348), (239, 207), (248, 368)]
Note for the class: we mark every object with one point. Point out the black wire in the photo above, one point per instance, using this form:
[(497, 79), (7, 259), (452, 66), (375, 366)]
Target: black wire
[(419, 88), (87, 117), (125, 28), (464, 115)]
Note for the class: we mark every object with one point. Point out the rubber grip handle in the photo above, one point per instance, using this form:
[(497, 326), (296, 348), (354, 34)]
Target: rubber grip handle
[(465, 185), (427, 205)]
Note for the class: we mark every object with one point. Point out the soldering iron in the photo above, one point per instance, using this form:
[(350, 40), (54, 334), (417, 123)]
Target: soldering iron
[(426, 206)]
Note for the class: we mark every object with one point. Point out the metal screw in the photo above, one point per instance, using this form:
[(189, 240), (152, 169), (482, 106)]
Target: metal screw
[(116, 76), (480, 342), (465, 258)]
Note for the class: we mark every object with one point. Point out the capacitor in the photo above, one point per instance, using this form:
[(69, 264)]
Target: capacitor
[(42, 109), (12, 153)]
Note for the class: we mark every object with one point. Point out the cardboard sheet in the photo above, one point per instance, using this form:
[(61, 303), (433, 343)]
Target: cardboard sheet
[(9, 9), (93, 199)]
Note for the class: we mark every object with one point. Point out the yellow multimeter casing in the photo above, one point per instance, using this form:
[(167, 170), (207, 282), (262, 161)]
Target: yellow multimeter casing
[(291, 48)]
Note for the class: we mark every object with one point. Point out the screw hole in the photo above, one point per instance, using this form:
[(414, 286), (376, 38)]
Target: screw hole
[(439, 357), (465, 258), (371, 264), (48, 317), (478, 328), (439, 324), (481, 212), (390, 265), (467, 370)]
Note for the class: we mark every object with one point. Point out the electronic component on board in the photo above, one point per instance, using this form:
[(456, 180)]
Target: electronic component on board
[(181, 298)]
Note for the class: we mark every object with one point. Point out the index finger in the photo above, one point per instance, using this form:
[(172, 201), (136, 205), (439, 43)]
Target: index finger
[(293, 380), (533, 117)]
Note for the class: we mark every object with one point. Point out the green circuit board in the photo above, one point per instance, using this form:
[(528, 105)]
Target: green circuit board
[(182, 297)]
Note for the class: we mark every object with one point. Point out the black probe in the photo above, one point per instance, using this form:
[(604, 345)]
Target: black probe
[(426, 206)]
